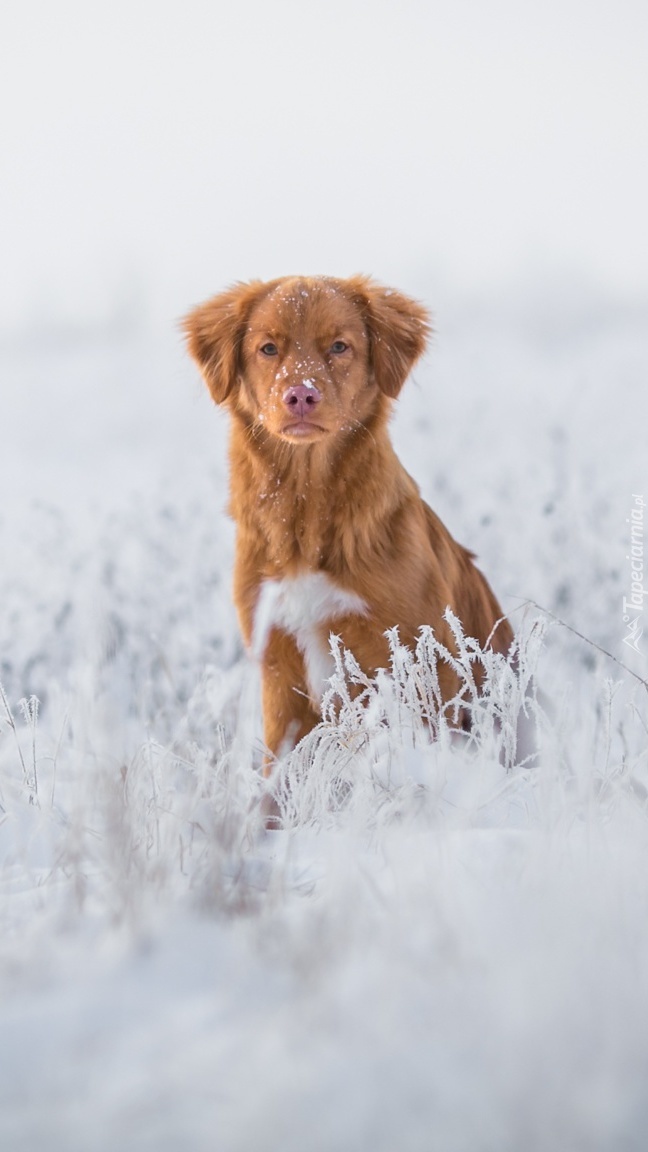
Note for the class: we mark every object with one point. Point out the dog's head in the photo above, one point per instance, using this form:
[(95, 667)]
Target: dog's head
[(306, 357)]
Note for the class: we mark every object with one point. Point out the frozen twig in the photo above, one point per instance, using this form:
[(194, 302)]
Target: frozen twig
[(585, 639), (30, 711)]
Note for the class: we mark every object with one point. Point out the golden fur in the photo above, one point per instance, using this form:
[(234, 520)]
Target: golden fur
[(308, 369)]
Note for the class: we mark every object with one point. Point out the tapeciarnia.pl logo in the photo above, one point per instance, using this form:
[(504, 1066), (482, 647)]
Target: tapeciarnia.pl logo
[(633, 606)]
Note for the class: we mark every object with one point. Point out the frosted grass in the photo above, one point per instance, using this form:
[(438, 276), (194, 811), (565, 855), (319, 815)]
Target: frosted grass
[(445, 944)]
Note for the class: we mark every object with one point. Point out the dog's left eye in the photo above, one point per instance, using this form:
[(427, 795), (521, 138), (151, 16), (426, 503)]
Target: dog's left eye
[(269, 349), (338, 347)]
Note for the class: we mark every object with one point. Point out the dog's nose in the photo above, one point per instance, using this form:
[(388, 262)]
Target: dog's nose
[(302, 398)]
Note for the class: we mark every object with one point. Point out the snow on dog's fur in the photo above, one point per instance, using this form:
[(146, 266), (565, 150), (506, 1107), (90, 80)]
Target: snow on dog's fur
[(332, 533)]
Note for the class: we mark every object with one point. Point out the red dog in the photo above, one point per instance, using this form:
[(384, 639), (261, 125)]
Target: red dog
[(332, 534)]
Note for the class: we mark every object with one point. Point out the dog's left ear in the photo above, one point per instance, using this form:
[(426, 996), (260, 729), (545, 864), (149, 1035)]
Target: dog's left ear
[(398, 329), (214, 333)]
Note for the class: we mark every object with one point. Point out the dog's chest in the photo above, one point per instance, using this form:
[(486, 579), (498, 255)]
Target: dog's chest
[(306, 607)]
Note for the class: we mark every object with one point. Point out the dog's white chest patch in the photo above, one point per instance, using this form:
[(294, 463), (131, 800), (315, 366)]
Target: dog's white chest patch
[(299, 606)]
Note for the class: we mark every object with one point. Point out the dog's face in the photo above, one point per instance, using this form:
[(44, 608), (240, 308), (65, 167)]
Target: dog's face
[(306, 358), (304, 362)]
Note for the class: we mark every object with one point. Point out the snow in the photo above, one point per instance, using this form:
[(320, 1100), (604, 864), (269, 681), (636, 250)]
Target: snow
[(437, 951)]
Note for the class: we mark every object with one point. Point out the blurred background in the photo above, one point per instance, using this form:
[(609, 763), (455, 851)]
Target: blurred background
[(154, 152)]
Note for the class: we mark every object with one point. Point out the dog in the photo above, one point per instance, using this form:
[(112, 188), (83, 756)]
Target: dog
[(332, 533)]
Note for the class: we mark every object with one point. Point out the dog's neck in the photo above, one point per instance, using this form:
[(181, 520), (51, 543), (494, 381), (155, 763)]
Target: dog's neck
[(314, 506)]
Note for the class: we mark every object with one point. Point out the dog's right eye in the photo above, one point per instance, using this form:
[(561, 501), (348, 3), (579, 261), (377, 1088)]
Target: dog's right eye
[(269, 349)]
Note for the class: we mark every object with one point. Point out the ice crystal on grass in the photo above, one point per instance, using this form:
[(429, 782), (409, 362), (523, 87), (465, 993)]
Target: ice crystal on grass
[(378, 733)]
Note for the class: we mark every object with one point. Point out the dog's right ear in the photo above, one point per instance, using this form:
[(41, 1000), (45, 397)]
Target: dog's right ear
[(214, 332)]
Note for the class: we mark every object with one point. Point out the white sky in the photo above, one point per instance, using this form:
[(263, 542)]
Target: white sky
[(169, 148)]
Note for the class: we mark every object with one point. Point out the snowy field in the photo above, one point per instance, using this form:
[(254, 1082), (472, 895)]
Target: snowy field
[(440, 951)]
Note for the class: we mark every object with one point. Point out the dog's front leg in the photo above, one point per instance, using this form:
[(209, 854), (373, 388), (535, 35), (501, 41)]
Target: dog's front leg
[(288, 713)]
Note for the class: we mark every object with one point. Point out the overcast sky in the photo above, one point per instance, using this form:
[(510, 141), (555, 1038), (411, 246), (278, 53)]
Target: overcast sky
[(165, 149)]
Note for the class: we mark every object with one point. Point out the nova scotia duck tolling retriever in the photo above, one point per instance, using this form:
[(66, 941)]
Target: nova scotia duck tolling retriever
[(332, 535)]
